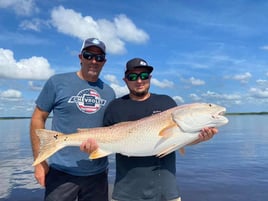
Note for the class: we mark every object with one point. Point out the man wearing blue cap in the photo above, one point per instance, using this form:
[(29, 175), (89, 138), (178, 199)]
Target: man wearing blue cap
[(77, 100)]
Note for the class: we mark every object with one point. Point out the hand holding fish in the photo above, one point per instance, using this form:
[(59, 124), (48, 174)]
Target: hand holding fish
[(89, 146), (205, 135)]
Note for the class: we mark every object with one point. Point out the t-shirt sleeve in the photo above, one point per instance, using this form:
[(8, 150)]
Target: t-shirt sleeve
[(168, 102), (46, 98)]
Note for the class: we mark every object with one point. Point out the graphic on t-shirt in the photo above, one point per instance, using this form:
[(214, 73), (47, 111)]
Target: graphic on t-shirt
[(88, 101)]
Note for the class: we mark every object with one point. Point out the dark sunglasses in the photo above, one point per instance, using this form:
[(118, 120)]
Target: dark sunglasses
[(97, 57), (135, 76)]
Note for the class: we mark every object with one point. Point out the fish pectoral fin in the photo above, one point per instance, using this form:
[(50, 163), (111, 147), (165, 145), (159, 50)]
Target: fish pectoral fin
[(168, 131), (99, 153), (167, 151)]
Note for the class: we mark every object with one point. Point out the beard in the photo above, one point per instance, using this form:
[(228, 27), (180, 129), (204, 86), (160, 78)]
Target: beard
[(139, 93)]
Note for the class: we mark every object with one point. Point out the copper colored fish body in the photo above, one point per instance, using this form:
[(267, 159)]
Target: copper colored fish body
[(159, 134)]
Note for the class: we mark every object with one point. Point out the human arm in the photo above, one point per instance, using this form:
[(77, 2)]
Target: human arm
[(38, 121)]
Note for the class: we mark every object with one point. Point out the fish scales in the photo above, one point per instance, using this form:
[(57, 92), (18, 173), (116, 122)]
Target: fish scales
[(159, 134)]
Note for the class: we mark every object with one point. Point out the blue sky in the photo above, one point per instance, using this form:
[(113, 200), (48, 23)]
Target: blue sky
[(202, 51)]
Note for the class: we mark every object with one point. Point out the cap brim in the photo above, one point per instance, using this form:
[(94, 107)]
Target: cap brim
[(93, 46), (150, 68)]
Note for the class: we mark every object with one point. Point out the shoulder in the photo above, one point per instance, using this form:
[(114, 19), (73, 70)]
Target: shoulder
[(118, 104), (160, 96), (62, 76), (107, 86), (119, 101), (163, 98), (161, 102)]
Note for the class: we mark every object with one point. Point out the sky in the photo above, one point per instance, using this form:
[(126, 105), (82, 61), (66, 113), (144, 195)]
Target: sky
[(201, 51)]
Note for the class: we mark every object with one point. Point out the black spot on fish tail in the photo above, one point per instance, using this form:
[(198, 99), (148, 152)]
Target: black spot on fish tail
[(56, 136)]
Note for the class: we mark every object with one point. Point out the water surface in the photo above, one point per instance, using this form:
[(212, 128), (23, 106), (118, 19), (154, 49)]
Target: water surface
[(232, 166)]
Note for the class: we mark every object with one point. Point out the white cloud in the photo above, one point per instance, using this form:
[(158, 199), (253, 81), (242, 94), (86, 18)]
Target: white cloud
[(195, 97), (262, 82), (259, 93), (243, 78), (35, 86), (217, 96), (11, 94), (264, 47), (113, 33), (178, 99), (128, 31), (111, 78), (21, 7), (193, 81), (119, 90), (34, 68), (162, 84), (33, 24), (196, 82)]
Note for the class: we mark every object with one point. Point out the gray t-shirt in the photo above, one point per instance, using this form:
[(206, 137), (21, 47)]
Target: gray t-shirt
[(75, 103)]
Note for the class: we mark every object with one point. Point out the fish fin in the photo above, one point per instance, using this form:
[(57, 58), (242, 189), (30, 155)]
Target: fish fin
[(99, 153), (48, 144), (182, 151), (167, 151), (79, 130), (168, 131)]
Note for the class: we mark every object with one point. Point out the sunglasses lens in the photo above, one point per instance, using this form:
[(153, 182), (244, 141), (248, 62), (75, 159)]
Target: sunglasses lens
[(87, 55), (97, 57), (144, 76), (135, 76), (132, 77)]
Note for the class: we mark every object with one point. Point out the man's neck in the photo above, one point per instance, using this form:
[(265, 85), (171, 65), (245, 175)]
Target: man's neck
[(139, 98), (91, 79)]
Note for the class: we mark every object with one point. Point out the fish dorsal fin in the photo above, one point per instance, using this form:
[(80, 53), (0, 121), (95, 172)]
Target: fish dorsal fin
[(99, 153), (79, 130), (168, 131)]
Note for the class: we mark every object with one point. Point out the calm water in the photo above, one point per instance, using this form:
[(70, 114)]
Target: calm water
[(231, 167)]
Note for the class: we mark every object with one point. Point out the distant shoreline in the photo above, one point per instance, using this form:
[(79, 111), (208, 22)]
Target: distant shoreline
[(9, 118), (231, 113), (247, 113)]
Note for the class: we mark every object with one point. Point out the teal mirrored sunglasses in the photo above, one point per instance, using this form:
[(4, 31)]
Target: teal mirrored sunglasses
[(135, 76)]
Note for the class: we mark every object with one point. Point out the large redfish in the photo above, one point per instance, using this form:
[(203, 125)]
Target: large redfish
[(159, 134)]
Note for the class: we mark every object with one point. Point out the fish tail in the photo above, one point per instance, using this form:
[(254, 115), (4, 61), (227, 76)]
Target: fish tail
[(49, 144)]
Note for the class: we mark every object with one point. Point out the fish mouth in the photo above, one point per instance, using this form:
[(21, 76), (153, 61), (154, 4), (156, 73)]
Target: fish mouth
[(219, 114)]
